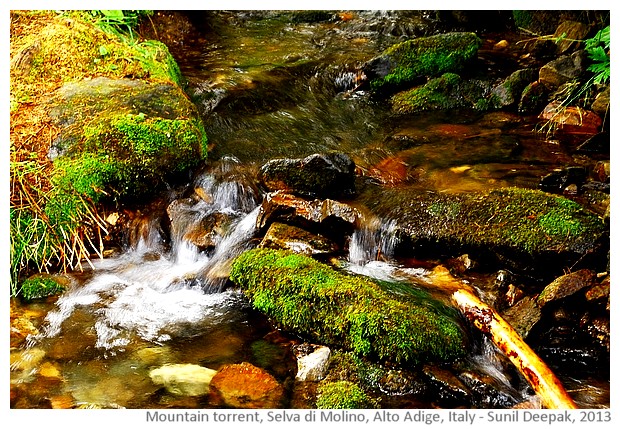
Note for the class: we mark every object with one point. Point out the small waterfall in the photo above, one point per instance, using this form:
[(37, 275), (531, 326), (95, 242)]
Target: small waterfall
[(374, 241), (155, 292), (371, 248)]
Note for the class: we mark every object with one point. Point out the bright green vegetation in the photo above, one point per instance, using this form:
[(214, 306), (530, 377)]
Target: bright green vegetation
[(314, 300), (597, 49), (426, 56), (40, 287), (341, 395), (128, 155)]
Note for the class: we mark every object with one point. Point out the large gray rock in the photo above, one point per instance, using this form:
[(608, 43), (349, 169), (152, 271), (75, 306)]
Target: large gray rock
[(563, 69)]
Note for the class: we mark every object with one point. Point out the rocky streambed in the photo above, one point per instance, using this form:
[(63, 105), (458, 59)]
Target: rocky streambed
[(303, 263)]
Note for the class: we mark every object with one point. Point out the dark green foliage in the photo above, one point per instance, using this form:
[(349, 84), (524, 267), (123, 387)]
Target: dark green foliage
[(342, 395), (314, 300), (40, 287)]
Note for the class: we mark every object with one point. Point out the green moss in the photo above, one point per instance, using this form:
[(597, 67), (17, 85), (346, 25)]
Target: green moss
[(40, 287), (90, 175), (437, 94), (523, 18), (314, 300), (446, 92), (156, 60), (519, 224), (128, 155), (426, 56), (342, 395)]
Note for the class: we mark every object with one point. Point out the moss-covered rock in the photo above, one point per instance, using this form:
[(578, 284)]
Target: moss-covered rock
[(405, 63), (41, 286), (526, 229), (123, 137), (314, 300), (342, 395), (448, 91)]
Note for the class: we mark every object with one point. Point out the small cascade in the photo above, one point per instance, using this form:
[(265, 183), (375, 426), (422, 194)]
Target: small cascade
[(373, 243), (489, 364), (155, 290)]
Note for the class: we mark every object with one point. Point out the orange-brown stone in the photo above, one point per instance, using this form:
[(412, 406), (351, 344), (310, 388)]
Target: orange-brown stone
[(247, 386)]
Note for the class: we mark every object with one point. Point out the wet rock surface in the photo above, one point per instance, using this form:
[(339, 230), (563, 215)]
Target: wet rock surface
[(326, 176), (333, 218), (500, 224), (287, 237)]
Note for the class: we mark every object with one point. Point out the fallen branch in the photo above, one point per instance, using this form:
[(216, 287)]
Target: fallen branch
[(536, 372)]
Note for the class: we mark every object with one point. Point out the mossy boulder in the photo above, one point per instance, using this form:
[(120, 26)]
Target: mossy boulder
[(123, 137), (522, 228), (70, 47), (314, 300), (43, 285), (448, 91), (124, 124), (406, 63)]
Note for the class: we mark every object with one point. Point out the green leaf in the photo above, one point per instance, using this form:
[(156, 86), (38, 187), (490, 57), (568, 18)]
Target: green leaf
[(113, 14), (602, 37), (103, 51)]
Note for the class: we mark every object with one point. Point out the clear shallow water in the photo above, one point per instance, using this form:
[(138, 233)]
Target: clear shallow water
[(267, 88)]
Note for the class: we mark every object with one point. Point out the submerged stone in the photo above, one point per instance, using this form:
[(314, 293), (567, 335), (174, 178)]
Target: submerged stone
[(405, 63), (315, 301), (183, 379), (246, 386)]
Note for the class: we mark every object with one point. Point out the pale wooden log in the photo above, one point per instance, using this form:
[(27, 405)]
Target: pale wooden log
[(536, 372)]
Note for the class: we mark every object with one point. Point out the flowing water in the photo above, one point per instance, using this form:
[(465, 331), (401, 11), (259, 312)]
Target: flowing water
[(267, 87)]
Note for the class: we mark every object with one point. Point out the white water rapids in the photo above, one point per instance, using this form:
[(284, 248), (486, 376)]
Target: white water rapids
[(155, 294)]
